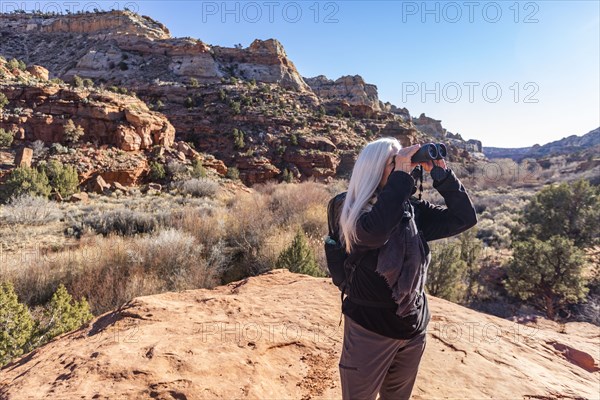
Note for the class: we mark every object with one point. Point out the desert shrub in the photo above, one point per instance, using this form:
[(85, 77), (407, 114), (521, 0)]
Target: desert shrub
[(177, 259), (445, 270), (471, 251), (235, 107), (198, 170), (199, 187), (176, 171), (548, 274), (493, 234), (13, 64), (25, 180), (64, 314), (77, 81), (57, 148), (3, 100), (287, 176), (233, 173), (38, 147), (248, 223), (194, 82), (6, 138), (123, 222), (238, 138), (188, 102), (62, 178), (71, 132), (88, 83), (16, 324), (157, 171), (27, 209), (299, 257), (289, 202)]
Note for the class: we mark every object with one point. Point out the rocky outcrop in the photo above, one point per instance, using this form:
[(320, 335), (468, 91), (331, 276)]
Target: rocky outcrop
[(430, 126), (264, 61), (276, 336), (40, 112), (352, 89), (111, 22)]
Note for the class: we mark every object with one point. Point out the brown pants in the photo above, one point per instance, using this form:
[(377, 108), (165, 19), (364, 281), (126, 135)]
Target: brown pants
[(372, 363)]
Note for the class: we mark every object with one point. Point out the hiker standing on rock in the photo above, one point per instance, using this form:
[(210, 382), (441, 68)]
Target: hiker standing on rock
[(385, 233)]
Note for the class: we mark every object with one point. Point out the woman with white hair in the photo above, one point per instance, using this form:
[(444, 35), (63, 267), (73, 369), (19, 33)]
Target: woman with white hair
[(386, 230)]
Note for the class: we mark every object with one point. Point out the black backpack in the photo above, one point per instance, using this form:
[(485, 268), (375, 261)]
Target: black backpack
[(340, 264)]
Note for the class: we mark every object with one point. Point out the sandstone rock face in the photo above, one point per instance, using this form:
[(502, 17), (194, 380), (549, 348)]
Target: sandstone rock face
[(276, 336), (430, 126), (256, 169), (353, 89), (476, 145), (38, 72), (264, 61), (106, 118), (24, 157), (109, 22)]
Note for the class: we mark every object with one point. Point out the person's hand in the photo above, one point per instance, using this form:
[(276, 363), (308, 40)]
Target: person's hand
[(428, 166), (403, 162)]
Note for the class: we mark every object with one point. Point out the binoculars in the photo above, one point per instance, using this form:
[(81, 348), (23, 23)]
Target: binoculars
[(430, 151)]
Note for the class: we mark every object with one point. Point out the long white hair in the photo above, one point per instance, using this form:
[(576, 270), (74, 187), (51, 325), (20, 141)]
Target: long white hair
[(366, 175)]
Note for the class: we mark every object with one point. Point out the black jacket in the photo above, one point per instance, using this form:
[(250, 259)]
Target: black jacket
[(396, 210)]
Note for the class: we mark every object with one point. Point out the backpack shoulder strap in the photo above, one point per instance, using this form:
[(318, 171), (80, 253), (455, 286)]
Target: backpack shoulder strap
[(333, 212)]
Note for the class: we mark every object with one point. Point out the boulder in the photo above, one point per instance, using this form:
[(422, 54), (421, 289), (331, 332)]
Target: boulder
[(24, 157)]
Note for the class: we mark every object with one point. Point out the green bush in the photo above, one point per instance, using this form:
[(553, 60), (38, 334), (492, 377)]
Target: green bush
[(25, 180), (235, 107), (188, 102), (77, 81), (3, 100), (445, 271), (238, 138), (194, 82), (16, 324), (64, 314), (157, 171), (233, 173), (62, 178), (547, 273), (71, 132), (6, 138), (299, 257), (198, 170), (13, 64), (471, 250), (294, 140), (288, 176)]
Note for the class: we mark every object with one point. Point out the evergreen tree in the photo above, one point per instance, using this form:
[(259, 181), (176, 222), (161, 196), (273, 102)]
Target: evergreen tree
[(569, 210), (547, 273), (65, 314), (16, 324), (299, 257)]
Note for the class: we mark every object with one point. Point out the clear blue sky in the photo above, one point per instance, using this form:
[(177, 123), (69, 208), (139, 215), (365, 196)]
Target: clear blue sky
[(544, 56)]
